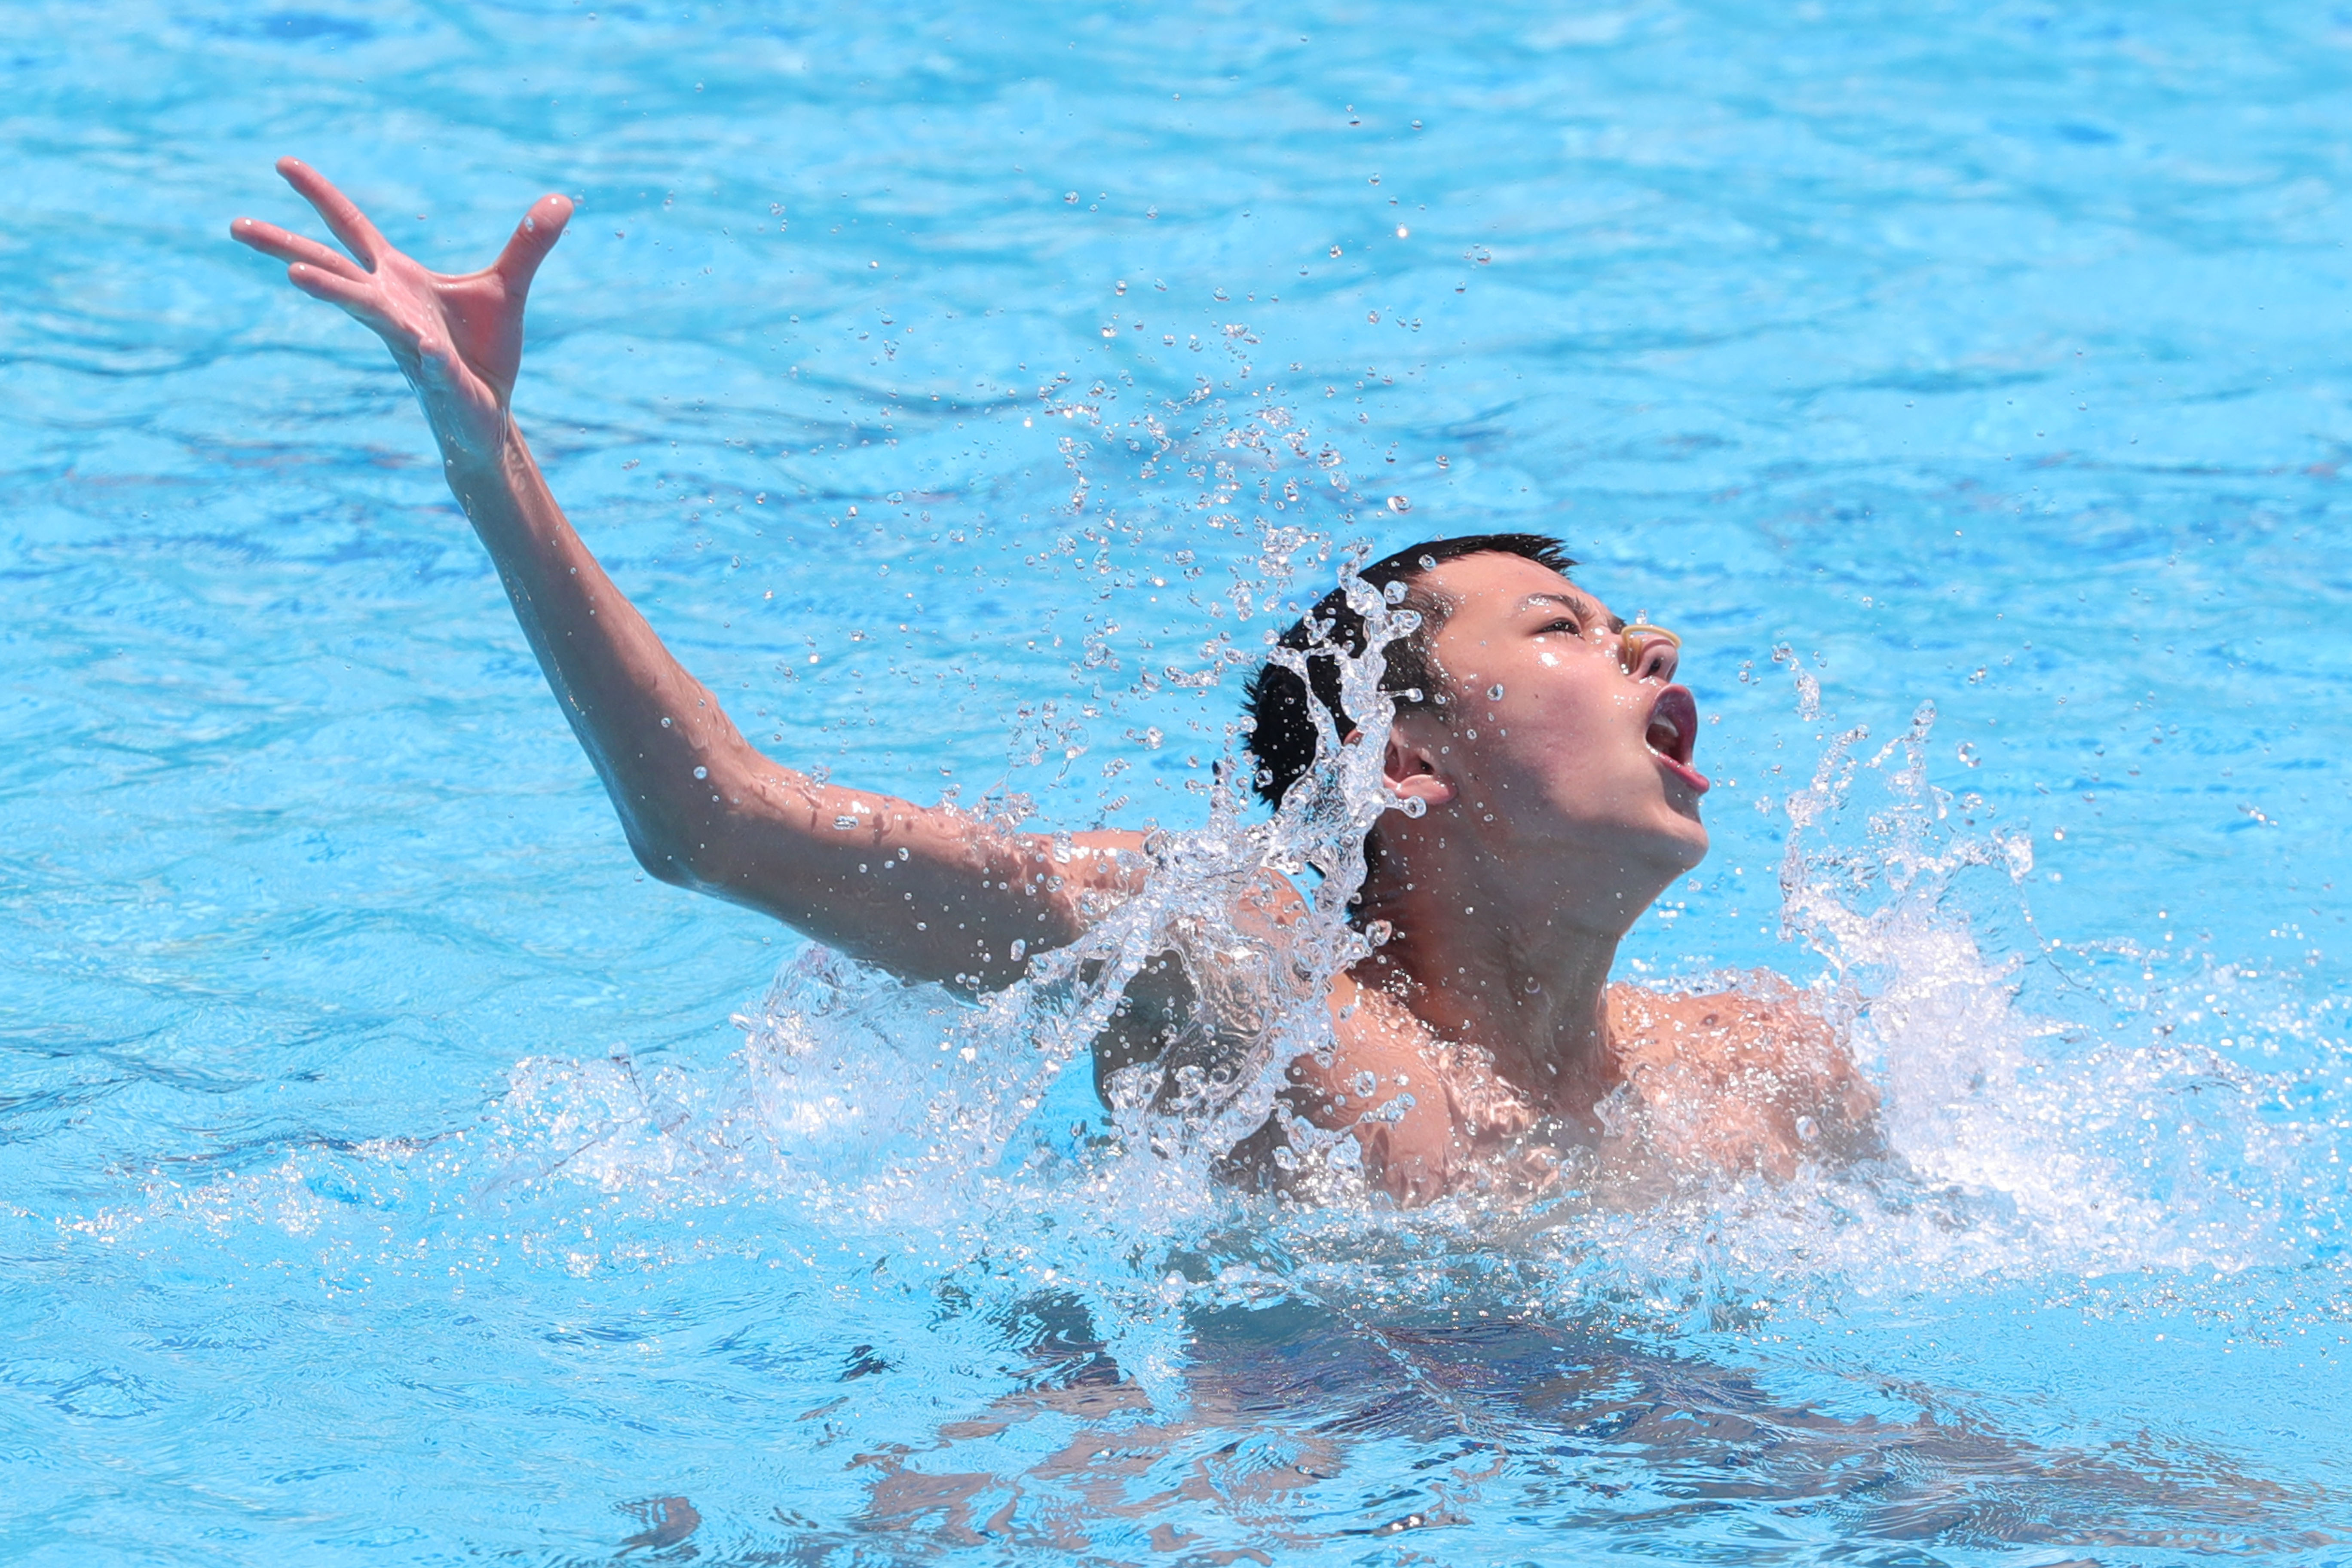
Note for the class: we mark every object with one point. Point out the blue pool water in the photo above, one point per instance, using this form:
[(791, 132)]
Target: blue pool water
[(390, 1173)]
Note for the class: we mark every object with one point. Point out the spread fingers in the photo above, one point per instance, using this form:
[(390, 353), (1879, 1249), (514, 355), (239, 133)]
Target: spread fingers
[(352, 294), (271, 240), (342, 215)]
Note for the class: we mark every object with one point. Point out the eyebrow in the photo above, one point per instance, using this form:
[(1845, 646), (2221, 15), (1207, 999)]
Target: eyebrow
[(1583, 607)]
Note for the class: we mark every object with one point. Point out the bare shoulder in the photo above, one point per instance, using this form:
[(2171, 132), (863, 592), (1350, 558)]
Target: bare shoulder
[(1385, 1086), (1223, 970), (1763, 1020), (1753, 1076)]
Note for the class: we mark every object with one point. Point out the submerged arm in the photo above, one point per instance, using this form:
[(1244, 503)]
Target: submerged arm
[(928, 893)]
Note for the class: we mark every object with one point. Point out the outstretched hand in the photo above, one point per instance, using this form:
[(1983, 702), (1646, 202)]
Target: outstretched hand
[(457, 338)]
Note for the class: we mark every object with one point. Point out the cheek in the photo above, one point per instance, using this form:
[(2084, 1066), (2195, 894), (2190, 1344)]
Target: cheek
[(1575, 734)]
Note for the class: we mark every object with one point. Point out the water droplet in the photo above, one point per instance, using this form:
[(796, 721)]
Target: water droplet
[(1494, 692), (1363, 1084), (843, 824), (1968, 754), (1018, 951), (664, 722), (702, 773), (1534, 985), (1413, 806), (1379, 932), (1398, 503), (1403, 233), (1334, 250), (1807, 1129)]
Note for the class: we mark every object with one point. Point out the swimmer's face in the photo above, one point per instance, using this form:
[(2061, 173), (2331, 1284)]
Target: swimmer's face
[(1579, 754)]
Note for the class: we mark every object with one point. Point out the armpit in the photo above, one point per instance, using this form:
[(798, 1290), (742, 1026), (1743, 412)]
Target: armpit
[(1199, 1020)]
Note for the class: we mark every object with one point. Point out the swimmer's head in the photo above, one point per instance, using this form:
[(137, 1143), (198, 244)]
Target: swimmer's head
[(1282, 725), (1531, 723)]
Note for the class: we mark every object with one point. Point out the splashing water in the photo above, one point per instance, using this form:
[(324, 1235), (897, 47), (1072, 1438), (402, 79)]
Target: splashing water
[(2023, 1146), (2079, 1149), (2060, 1120), (308, 1266), (2057, 1119)]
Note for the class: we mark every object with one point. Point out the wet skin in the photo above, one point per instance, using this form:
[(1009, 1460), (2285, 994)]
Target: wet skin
[(1545, 835), (1560, 801)]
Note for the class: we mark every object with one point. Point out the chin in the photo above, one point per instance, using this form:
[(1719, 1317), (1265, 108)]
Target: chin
[(1683, 841)]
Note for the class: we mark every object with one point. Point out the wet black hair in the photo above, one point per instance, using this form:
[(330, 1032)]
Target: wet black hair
[(1281, 724)]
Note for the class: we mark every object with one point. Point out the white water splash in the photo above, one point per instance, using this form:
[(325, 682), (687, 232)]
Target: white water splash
[(2022, 1144)]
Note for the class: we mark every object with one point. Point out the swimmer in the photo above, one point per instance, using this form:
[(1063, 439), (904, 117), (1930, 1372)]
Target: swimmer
[(1549, 749)]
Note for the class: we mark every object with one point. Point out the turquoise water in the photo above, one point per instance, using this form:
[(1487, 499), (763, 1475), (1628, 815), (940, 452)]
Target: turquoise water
[(388, 1173)]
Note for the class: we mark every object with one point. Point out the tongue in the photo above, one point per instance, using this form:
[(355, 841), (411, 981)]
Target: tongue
[(1666, 739)]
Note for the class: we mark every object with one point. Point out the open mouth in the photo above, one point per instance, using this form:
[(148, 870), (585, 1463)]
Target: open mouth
[(1672, 734)]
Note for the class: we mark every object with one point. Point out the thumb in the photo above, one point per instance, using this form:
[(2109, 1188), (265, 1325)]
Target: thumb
[(533, 238)]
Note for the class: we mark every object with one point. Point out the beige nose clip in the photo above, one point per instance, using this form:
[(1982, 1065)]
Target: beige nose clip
[(1634, 644)]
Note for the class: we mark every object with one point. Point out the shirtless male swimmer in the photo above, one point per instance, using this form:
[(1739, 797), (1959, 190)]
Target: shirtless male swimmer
[(1557, 812)]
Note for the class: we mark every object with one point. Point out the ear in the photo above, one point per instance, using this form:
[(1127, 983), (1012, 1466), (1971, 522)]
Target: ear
[(1410, 766)]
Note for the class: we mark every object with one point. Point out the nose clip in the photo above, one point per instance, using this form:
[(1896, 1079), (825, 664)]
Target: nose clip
[(1635, 643)]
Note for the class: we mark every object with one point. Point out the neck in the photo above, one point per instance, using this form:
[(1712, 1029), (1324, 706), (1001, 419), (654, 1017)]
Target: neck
[(1487, 957)]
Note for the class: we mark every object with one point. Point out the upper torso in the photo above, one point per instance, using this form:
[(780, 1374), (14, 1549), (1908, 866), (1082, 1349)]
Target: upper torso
[(1750, 1079), (1733, 1081)]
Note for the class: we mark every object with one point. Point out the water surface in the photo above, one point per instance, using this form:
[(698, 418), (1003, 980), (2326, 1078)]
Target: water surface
[(387, 1174)]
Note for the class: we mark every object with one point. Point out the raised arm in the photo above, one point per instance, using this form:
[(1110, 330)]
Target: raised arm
[(928, 893)]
